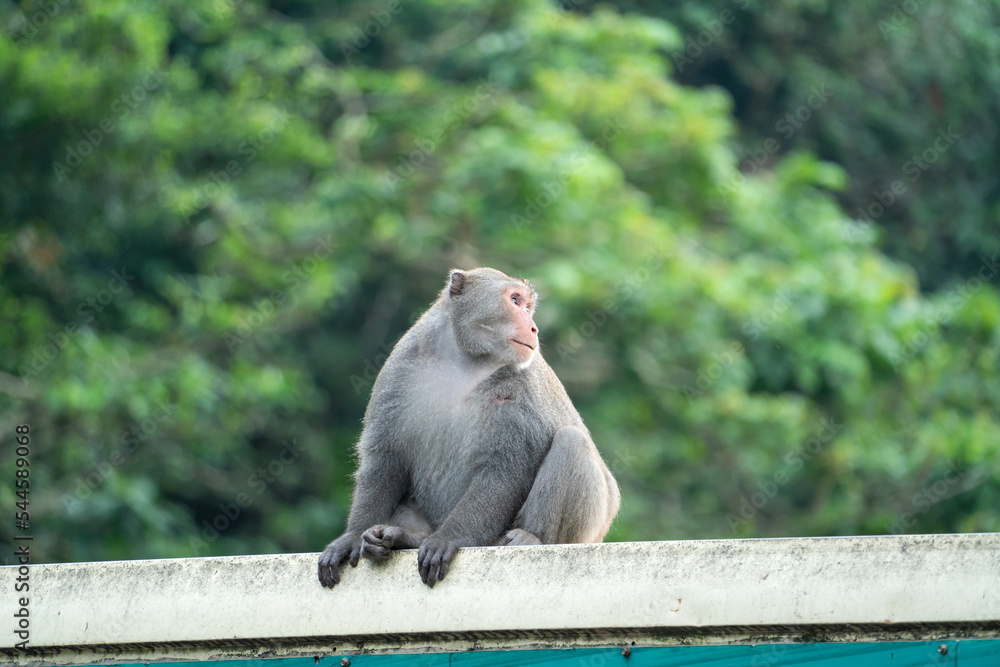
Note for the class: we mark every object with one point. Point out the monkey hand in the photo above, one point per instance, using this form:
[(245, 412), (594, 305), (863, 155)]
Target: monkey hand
[(346, 547), (433, 558), (378, 541)]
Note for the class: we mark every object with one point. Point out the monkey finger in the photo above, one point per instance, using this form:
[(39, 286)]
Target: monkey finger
[(366, 545), (355, 554), (329, 576), (446, 557), (389, 536), (447, 554), (429, 573), (374, 551), (374, 534), (434, 574), (424, 563)]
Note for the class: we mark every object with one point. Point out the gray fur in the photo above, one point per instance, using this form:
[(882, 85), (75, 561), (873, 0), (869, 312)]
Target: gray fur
[(466, 444)]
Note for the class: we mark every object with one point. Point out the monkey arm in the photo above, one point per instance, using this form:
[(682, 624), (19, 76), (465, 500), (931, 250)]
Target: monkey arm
[(486, 509), (484, 512), (379, 486)]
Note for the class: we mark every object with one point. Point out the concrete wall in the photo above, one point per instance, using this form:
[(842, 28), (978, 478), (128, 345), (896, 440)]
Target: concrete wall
[(650, 593)]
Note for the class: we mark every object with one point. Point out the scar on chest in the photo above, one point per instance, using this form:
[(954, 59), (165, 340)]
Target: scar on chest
[(501, 398)]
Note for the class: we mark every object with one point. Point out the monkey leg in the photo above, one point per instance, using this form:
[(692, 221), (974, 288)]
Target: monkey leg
[(406, 529), (574, 497)]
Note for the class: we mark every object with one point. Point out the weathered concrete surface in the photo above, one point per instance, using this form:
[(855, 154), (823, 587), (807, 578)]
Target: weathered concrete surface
[(650, 592)]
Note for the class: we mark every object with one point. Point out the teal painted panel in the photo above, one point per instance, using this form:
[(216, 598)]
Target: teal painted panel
[(876, 654), (965, 653), (979, 653)]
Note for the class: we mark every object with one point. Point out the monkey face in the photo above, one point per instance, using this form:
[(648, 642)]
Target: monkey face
[(520, 303), (492, 316)]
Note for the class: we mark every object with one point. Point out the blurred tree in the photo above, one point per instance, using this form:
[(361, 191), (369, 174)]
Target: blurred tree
[(911, 94), (218, 218)]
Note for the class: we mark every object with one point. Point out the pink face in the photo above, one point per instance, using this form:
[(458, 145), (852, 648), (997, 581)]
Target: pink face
[(525, 339)]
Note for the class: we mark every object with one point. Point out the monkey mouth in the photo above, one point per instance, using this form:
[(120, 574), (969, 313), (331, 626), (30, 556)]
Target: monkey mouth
[(524, 344)]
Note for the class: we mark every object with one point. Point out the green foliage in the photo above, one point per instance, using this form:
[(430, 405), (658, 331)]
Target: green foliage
[(911, 94), (218, 218)]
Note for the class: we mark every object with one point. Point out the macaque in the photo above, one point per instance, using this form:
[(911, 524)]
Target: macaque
[(470, 439)]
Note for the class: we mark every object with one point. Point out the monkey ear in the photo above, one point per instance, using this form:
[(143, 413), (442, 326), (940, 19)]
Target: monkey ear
[(457, 283)]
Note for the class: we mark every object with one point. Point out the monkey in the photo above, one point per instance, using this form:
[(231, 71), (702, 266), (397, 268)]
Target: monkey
[(470, 439)]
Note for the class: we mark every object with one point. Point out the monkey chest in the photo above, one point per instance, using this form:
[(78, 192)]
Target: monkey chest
[(453, 435)]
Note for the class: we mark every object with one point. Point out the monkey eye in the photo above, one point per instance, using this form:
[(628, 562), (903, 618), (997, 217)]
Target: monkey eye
[(516, 298)]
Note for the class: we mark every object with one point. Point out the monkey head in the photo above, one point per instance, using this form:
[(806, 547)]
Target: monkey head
[(492, 316)]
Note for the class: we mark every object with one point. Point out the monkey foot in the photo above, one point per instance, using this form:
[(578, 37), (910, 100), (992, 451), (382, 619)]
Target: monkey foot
[(379, 541), (518, 537)]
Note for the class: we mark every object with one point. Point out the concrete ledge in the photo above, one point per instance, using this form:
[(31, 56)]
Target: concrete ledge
[(650, 593)]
